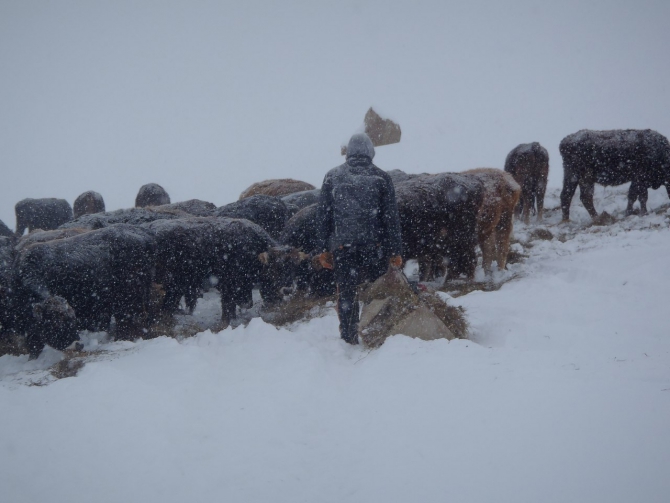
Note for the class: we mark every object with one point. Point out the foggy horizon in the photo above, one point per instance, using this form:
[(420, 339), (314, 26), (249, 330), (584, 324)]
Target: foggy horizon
[(206, 98)]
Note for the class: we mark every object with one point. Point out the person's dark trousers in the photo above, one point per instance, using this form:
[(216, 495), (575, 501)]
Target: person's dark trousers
[(353, 266)]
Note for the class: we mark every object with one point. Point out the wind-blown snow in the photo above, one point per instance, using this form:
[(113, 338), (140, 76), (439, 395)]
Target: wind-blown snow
[(563, 394), (207, 99)]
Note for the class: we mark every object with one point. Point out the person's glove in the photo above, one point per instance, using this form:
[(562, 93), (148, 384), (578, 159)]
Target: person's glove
[(396, 261), (324, 260)]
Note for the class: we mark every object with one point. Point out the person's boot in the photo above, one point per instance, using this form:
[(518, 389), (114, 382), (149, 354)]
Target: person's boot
[(350, 337)]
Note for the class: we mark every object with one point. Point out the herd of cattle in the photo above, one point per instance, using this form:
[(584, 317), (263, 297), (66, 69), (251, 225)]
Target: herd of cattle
[(76, 270)]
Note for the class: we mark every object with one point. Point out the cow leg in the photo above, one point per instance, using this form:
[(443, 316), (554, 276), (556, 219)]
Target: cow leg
[(527, 197), (438, 266), (171, 300), (462, 260), (425, 268), (539, 197), (632, 197), (35, 343), (586, 188), (191, 299), (503, 233), (518, 208), (643, 196), (228, 306), (487, 243), (570, 183), (567, 194), (124, 327)]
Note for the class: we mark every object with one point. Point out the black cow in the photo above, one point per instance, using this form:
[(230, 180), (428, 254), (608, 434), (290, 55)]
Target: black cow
[(45, 214), (80, 282), (7, 254), (528, 163), (269, 212), (613, 158), (133, 216), (233, 254), (438, 217), (151, 194), (301, 233), (88, 203)]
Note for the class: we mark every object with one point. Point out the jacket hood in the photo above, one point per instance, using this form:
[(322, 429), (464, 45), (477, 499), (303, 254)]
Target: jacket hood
[(360, 145)]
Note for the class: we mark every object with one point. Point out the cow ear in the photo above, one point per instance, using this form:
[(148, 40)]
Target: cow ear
[(264, 258)]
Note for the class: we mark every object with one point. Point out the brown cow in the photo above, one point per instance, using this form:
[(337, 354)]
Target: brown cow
[(496, 214), (277, 187)]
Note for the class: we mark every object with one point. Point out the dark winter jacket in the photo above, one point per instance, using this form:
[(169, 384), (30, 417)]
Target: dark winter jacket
[(357, 205)]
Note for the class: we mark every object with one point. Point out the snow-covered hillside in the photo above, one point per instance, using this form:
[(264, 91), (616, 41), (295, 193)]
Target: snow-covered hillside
[(561, 394)]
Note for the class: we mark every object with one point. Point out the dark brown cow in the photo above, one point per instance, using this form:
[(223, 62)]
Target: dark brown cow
[(528, 163)]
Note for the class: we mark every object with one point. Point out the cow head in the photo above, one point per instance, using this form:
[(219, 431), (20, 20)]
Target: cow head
[(279, 265), (55, 322)]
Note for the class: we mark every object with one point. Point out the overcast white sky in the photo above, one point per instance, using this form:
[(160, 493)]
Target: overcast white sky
[(206, 97)]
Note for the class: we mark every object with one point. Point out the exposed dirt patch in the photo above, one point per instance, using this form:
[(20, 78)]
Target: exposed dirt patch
[(541, 234), (458, 288), (67, 368), (603, 219), (514, 257), (297, 308)]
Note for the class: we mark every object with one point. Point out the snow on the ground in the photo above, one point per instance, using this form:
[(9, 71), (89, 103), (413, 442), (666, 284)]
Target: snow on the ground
[(562, 394)]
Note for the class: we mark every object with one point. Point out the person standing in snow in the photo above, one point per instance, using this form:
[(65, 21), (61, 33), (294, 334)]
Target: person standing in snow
[(359, 228)]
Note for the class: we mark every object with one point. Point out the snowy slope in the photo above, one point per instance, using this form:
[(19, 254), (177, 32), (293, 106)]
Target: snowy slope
[(563, 394)]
